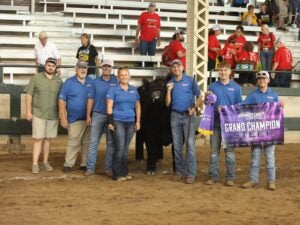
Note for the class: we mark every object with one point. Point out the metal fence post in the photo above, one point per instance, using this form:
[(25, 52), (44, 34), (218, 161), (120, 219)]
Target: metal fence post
[(1, 75)]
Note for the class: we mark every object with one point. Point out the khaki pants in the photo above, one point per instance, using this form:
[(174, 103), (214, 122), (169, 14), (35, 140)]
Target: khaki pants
[(78, 141)]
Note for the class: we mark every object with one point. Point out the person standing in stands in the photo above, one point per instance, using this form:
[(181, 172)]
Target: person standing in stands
[(282, 62), (72, 102), (266, 47), (42, 109), (228, 93), (177, 50), (123, 119), (97, 118), (214, 46), (88, 53), (239, 38), (149, 30), (43, 50)]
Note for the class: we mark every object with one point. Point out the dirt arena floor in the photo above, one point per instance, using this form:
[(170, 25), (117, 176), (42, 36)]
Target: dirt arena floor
[(56, 198)]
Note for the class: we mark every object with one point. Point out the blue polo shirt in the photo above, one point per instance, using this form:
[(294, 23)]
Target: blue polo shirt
[(257, 96), (98, 92), (75, 94), (183, 94), (124, 103), (229, 94)]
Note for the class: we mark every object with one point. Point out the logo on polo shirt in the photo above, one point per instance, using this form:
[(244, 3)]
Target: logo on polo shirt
[(270, 97), (112, 84), (230, 89), (132, 91), (184, 85)]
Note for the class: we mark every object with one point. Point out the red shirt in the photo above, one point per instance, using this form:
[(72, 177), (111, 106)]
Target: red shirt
[(283, 57), (176, 46), (266, 41), (213, 42), (227, 56), (239, 42), (150, 23), (251, 56)]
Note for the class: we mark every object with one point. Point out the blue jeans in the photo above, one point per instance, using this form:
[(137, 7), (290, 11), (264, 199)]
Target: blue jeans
[(283, 79), (269, 152), (266, 58), (215, 145), (122, 137), (99, 124), (183, 128), (148, 47)]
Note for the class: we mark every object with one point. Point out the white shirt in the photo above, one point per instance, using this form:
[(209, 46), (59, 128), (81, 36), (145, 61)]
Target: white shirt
[(44, 52)]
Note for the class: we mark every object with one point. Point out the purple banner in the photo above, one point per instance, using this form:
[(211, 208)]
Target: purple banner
[(245, 125)]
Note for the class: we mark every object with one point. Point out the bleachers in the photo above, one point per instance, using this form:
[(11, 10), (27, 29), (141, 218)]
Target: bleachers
[(111, 25)]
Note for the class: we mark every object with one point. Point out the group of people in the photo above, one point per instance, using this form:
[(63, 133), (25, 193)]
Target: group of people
[(272, 55)]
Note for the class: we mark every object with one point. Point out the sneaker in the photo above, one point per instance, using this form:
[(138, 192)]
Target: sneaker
[(35, 169), (46, 166), (229, 183), (89, 173), (189, 180), (271, 185), (121, 179), (67, 169), (150, 173), (83, 168), (211, 182), (249, 184), (128, 177)]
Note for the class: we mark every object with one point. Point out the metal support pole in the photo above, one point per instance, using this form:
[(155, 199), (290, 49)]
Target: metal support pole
[(32, 6)]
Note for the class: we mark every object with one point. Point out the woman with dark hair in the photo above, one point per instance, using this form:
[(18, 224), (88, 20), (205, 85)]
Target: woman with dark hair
[(214, 46), (239, 38)]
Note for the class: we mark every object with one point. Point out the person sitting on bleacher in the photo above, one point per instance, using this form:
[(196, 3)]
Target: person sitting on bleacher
[(228, 53), (214, 46), (249, 18), (264, 16), (239, 38)]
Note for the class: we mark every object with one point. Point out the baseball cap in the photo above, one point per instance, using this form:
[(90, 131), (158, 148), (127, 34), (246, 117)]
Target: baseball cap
[(81, 64), (217, 27), (152, 4), (280, 39), (51, 60), (107, 62), (177, 61), (263, 74), (179, 31)]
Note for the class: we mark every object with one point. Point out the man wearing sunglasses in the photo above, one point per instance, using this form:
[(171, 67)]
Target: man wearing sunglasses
[(262, 94)]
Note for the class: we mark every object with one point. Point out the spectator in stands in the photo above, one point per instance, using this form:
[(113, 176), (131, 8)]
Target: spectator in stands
[(282, 62), (239, 38), (228, 93), (88, 53), (249, 18), (246, 61), (262, 94), (239, 3), (43, 50), (180, 97), (283, 13), (149, 30), (264, 16), (214, 46), (292, 10), (266, 47), (228, 53), (42, 109), (177, 50), (123, 118), (97, 119), (72, 103)]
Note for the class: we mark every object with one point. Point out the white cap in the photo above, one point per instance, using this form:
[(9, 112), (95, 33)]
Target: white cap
[(107, 62), (262, 73), (217, 27)]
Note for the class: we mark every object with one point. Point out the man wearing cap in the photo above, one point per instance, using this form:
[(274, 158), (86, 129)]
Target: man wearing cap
[(177, 50), (97, 118), (149, 30), (282, 61), (262, 94), (42, 109), (214, 46), (180, 96), (44, 50), (73, 98)]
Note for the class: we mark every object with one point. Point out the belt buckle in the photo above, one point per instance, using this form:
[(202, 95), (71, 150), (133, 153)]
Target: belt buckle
[(265, 49)]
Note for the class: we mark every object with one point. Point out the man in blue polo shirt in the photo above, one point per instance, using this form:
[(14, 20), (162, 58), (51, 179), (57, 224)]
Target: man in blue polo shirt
[(262, 94), (73, 98), (96, 118), (228, 93), (181, 92)]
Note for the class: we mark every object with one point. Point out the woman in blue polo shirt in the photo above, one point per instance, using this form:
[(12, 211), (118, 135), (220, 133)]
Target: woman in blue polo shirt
[(123, 118)]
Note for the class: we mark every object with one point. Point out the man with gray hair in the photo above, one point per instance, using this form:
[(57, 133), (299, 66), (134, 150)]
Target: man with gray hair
[(44, 50)]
